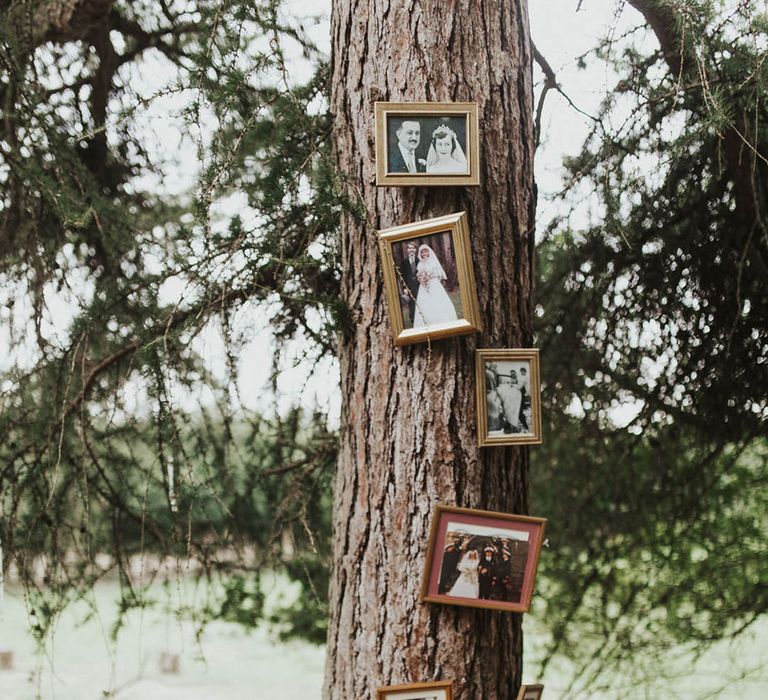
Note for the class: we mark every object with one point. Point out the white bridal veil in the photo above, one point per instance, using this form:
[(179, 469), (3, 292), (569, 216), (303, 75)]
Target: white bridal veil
[(431, 265)]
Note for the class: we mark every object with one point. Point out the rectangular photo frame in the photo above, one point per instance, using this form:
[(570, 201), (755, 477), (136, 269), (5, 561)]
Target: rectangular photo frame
[(508, 384), (530, 692), (429, 279), (427, 143), (431, 690), (482, 559)]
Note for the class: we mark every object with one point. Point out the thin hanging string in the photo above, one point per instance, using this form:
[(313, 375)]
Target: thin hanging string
[(390, 258)]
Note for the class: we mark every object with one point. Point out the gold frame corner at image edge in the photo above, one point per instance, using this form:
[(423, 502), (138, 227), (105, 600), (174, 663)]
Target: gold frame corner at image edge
[(433, 336)]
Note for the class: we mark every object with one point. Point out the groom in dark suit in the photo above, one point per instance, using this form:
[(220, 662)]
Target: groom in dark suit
[(407, 270), (402, 155)]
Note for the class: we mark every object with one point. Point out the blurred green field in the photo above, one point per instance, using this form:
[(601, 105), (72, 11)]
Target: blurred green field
[(82, 663), (229, 663)]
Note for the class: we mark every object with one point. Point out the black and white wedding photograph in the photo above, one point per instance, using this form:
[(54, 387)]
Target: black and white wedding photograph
[(508, 397), (426, 143), (429, 279), (482, 559)]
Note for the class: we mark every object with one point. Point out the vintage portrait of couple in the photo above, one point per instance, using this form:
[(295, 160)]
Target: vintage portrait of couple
[(429, 279), (416, 145), (427, 143)]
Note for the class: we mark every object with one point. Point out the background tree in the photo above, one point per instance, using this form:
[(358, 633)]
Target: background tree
[(119, 435), (653, 332)]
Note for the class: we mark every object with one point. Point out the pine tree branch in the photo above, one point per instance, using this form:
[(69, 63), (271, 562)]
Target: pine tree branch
[(550, 82), (744, 158), (660, 17)]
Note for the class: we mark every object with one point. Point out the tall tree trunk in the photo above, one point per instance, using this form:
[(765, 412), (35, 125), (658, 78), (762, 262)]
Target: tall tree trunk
[(408, 438)]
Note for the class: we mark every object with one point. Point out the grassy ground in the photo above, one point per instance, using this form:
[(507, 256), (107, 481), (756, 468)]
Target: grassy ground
[(82, 663), (228, 663)]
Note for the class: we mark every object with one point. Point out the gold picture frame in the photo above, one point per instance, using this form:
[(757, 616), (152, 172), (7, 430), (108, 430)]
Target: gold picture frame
[(447, 275), (530, 692), (515, 541), (416, 691), (494, 426), (454, 124)]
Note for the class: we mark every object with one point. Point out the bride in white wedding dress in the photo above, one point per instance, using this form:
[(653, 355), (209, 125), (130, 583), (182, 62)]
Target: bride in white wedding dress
[(445, 152), (468, 583), (433, 305)]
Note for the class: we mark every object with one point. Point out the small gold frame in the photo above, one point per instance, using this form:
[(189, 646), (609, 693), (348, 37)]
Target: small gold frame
[(530, 355), (389, 691), (535, 688), (456, 226), (430, 112)]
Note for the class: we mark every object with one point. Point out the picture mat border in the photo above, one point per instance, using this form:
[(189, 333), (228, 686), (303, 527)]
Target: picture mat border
[(483, 355), (456, 225), (382, 111), (447, 686), (530, 686), (534, 553)]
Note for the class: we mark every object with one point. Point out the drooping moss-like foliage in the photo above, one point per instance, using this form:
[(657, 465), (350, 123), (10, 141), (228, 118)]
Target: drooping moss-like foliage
[(653, 328)]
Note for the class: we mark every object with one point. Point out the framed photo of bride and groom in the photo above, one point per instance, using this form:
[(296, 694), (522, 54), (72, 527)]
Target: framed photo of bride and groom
[(429, 279), (427, 143), (482, 559)]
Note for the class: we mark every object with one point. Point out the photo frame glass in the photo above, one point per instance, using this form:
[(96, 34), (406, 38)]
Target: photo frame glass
[(427, 264), (508, 396), (482, 559), (427, 143), (433, 144), (429, 279)]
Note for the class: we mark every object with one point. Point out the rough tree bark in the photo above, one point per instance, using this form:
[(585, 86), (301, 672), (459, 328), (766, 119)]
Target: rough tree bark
[(60, 21), (408, 437)]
